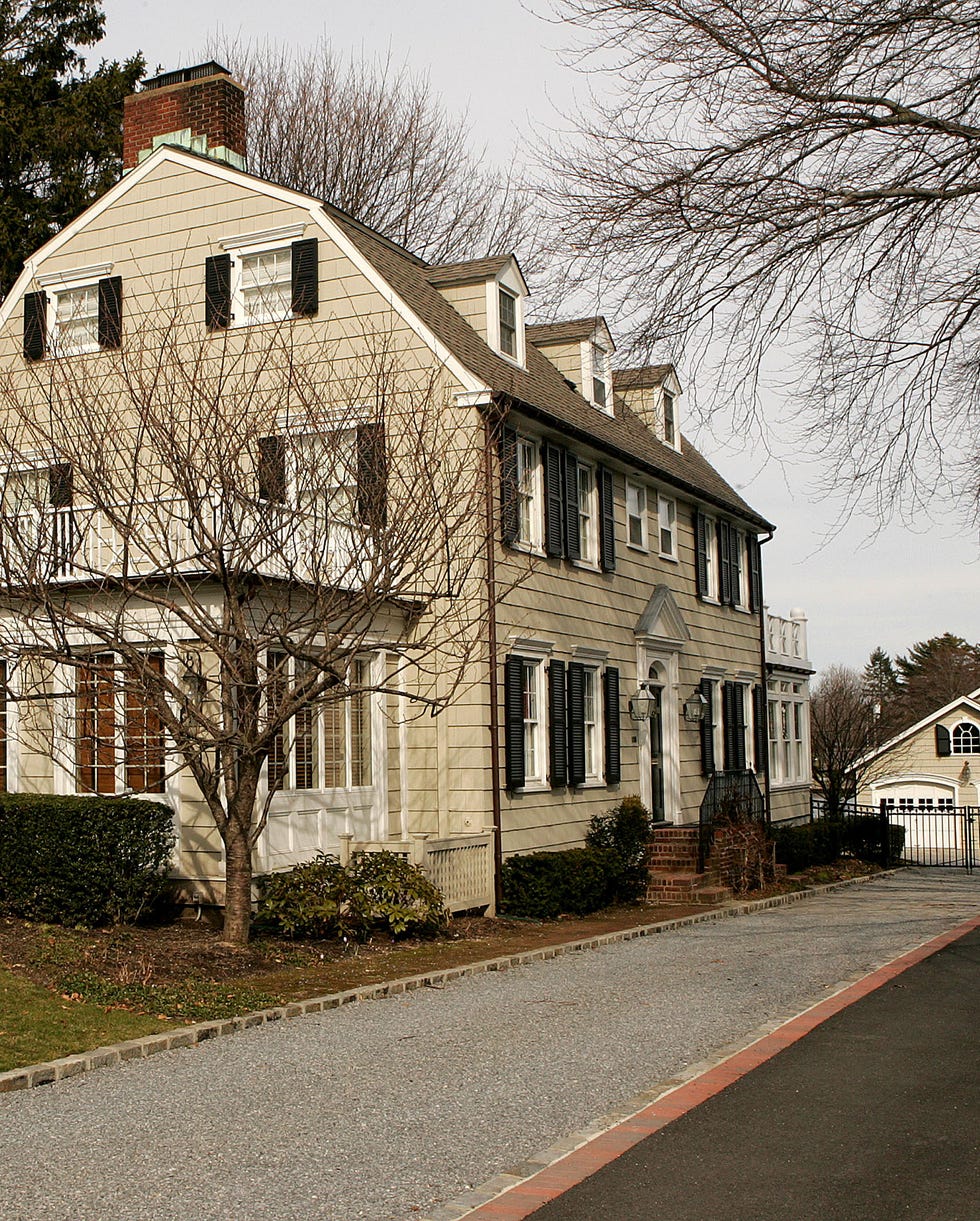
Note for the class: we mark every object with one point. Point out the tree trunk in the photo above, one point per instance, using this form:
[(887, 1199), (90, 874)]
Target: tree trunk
[(238, 881)]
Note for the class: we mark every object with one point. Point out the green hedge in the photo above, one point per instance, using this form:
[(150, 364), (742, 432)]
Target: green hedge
[(625, 832), (86, 861), (543, 885), (824, 841)]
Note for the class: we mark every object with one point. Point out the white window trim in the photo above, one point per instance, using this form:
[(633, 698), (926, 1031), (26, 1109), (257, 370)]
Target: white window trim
[(534, 545), (57, 289), (713, 593), (493, 322), (966, 754), (238, 256), (661, 501), (589, 554), (644, 516), (742, 594), (676, 443), (538, 782), (587, 364), (595, 779), (290, 794), (776, 696)]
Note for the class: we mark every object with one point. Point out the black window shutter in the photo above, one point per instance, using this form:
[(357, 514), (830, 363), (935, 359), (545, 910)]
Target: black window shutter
[(272, 469), (734, 538), (725, 562), (728, 734), (573, 540), (514, 721), (707, 688), (305, 272), (943, 744), (110, 312), (701, 543), (760, 728), (509, 518), (607, 521), (372, 475), (755, 572), (35, 325), (217, 292), (738, 726), (576, 723), (610, 693), (61, 484), (554, 500), (557, 728)]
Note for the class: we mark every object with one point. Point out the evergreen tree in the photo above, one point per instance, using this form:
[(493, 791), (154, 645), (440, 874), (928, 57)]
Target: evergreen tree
[(60, 127), (935, 671), (881, 690)]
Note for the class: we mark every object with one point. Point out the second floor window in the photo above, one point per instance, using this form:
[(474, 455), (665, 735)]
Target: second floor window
[(600, 377), (76, 321), (528, 506), (636, 515), (667, 521), (588, 540)]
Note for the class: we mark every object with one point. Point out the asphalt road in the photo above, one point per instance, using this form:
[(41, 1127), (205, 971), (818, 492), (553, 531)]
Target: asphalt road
[(875, 1114), (384, 1109)]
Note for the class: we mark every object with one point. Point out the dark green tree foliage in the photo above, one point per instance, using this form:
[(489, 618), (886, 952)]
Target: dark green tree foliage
[(935, 671), (60, 127), (881, 689)]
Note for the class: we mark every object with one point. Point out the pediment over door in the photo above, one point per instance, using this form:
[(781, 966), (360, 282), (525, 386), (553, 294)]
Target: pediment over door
[(662, 622)]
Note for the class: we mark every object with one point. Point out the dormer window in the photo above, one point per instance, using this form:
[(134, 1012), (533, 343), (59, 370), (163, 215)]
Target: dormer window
[(670, 419), (600, 377), (507, 306)]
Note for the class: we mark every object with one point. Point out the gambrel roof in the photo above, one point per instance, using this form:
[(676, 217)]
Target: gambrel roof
[(538, 391)]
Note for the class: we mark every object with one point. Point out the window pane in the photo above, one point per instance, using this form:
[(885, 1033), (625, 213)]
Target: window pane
[(266, 290), (360, 725), (334, 744), (508, 323), (77, 321), (96, 726), (145, 769)]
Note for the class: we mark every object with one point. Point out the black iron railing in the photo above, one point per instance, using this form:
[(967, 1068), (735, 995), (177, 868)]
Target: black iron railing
[(729, 797)]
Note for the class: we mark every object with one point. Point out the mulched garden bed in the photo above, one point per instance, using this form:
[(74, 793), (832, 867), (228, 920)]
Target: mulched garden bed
[(182, 972)]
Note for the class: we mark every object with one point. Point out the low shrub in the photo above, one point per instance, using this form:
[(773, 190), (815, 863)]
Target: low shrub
[(85, 861), (862, 837), (800, 847), (543, 885), (396, 896), (324, 900), (625, 833)]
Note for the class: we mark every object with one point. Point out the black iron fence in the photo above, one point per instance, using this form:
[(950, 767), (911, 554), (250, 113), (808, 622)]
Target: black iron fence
[(945, 836), (729, 797)]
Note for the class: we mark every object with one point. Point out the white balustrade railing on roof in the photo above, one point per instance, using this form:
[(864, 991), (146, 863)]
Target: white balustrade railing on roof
[(786, 641)]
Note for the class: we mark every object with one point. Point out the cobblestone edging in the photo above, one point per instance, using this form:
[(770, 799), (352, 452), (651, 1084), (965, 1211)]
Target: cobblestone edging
[(188, 1036)]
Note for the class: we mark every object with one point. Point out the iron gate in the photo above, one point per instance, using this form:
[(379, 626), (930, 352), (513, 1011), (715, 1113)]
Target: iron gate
[(935, 836)]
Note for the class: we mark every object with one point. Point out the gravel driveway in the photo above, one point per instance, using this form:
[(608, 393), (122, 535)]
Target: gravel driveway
[(381, 1109)]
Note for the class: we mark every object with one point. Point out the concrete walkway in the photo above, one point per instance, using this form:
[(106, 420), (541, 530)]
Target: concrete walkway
[(388, 1109)]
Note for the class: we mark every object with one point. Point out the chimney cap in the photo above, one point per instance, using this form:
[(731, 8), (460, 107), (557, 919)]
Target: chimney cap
[(182, 75)]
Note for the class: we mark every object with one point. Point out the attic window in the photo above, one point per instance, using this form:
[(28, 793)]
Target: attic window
[(670, 422), (508, 323), (600, 377)]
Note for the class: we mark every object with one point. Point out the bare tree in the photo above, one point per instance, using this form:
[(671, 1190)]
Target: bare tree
[(205, 541), (374, 140), (798, 186), (844, 733)]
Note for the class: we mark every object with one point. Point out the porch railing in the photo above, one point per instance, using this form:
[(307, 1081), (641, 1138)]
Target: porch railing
[(733, 796), (461, 867)]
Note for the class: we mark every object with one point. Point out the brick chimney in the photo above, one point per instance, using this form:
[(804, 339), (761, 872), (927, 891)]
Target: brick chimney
[(201, 109)]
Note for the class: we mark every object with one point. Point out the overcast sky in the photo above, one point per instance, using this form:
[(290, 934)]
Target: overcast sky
[(504, 66)]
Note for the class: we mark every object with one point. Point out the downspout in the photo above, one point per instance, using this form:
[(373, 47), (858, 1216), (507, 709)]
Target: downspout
[(491, 581), (765, 679)]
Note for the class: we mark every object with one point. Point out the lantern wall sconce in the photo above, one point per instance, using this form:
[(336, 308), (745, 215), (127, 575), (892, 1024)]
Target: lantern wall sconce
[(640, 705), (695, 707)]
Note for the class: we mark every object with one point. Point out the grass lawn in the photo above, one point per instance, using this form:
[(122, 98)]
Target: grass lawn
[(37, 1024)]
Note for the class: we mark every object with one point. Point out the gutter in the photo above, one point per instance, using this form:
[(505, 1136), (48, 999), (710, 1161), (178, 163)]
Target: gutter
[(489, 421), (764, 673)]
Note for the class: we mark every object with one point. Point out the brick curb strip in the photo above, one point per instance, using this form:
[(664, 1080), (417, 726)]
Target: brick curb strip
[(188, 1036), (524, 1189)]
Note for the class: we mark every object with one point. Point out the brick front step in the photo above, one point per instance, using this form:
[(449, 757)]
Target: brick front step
[(674, 876)]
